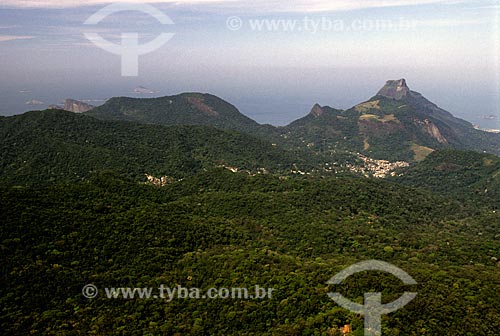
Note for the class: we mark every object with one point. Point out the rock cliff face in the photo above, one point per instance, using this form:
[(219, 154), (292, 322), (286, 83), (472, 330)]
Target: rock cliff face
[(434, 131), (317, 110), (395, 89), (76, 106), (198, 101)]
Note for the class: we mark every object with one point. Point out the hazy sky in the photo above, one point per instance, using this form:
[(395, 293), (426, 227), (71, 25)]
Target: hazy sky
[(336, 53)]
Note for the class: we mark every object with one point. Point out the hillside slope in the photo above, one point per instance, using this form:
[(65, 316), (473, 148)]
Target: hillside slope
[(183, 109), (57, 146), (463, 175), (224, 230), (396, 124)]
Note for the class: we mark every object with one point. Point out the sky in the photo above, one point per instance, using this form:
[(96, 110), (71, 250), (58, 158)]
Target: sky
[(272, 59)]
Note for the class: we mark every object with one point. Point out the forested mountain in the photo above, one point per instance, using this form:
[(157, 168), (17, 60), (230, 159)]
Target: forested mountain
[(220, 229), (58, 146), (396, 124), (464, 175), (183, 109), (179, 135), (283, 208)]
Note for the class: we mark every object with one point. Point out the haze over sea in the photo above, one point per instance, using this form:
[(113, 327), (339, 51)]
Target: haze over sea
[(274, 75), (295, 92)]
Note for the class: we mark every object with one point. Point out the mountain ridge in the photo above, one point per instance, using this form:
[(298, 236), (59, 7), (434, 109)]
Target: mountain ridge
[(396, 124), (191, 108), (57, 146)]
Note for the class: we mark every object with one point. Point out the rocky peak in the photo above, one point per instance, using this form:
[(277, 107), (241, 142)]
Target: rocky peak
[(76, 106), (395, 89), (317, 111)]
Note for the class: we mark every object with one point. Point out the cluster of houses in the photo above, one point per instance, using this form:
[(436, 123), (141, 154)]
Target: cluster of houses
[(377, 168)]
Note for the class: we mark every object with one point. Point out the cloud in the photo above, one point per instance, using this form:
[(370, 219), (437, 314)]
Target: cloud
[(5, 38), (79, 3), (256, 5), (442, 23), (486, 7), (347, 5)]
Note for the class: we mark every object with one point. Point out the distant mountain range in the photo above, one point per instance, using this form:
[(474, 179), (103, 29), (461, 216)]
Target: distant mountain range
[(396, 124), (178, 136)]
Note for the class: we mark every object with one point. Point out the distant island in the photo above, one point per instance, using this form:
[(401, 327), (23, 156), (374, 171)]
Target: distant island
[(143, 90), (34, 102)]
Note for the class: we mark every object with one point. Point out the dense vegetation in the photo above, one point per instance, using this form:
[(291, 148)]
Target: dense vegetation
[(74, 210), (403, 128), (183, 109), (219, 229), (56, 146), (463, 175), (389, 129)]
